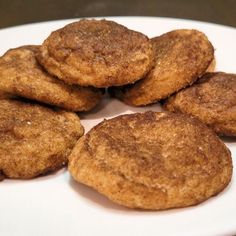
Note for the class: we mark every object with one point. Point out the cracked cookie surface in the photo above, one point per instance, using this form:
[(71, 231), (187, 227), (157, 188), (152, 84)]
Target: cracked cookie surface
[(97, 53), (152, 161), (21, 75), (181, 57), (34, 139), (212, 100)]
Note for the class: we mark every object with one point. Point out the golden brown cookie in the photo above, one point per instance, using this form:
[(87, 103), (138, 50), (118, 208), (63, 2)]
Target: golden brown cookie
[(97, 53), (181, 57), (212, 100), (152, 161), (20, 74), (35, 139)]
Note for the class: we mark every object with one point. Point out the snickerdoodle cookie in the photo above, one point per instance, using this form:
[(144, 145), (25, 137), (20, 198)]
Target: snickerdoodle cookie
[(182, 56), (35, 139), (212, 100), (97, 53), (21, 75), (152, 160)]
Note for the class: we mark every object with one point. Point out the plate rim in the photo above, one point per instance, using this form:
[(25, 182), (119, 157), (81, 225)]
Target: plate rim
[(12, 28)]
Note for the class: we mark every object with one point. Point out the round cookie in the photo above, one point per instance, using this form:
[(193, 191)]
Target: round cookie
[(97, 53), (181, 57), (20, 74), (212, 100), (34, 139), (152, 161)]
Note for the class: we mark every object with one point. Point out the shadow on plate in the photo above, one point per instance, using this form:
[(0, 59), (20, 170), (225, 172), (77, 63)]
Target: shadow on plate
[(229, 139), (44, 177), (111, 107), (98, 199), (94, 197)]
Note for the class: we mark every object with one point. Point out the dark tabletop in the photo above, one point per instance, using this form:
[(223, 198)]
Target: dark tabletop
[(16, 12)]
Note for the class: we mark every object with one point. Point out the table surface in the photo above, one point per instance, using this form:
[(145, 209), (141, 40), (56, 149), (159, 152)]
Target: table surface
[(17, 12)]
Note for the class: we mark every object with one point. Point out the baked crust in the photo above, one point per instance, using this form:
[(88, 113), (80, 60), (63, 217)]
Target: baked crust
[(181, 57), (34, 139), (97, 53), (21, 75), (212, 100), (152, 161)]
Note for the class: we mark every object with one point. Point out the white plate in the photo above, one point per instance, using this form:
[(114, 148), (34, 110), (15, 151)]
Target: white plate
[(56, 205)]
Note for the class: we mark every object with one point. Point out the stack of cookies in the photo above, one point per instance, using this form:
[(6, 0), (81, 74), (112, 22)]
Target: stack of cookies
[(151, 160), (68, 71)]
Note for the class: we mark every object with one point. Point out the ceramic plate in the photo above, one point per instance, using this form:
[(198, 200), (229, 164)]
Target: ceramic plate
[(57, 205)]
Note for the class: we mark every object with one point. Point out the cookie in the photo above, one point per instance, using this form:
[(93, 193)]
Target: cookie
[(152, 161), (182, 56), (34, 139), (97, 53), (21, 75), (212, 100)]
